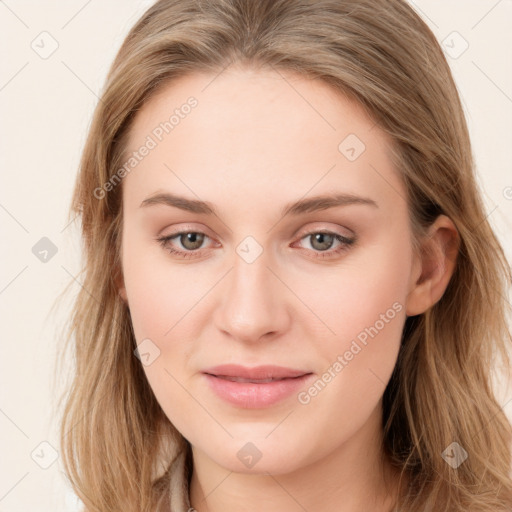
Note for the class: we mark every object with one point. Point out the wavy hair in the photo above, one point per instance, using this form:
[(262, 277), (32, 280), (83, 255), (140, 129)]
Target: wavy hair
[(117, 444)]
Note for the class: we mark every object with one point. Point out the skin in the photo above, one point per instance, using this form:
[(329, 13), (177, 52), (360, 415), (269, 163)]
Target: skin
[(257, 140)]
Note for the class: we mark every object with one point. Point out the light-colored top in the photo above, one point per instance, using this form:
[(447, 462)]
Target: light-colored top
[(178, 490), (177, 498)]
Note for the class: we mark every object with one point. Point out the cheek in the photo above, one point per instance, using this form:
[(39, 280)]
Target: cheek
[(367, 288), (363, 304), (159, 294), (162, 299), (159, 299)]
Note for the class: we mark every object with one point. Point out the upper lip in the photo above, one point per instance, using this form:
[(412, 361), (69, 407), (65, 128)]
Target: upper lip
[(255, 372)]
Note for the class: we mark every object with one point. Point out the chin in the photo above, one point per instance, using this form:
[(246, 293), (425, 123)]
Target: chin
[(259, 456)]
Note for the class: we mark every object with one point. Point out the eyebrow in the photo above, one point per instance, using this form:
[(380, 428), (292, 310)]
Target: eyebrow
[(312, 204)]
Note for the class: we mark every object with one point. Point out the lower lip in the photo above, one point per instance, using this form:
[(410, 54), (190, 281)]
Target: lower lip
[(250, 395)]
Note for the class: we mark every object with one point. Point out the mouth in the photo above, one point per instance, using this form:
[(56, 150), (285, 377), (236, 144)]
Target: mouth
[(255, 388)]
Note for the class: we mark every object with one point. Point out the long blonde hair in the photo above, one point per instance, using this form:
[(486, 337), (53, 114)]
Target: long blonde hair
[(117, 444)]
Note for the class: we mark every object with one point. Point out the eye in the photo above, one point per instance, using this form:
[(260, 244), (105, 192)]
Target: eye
[(322, 241), (191, 241)]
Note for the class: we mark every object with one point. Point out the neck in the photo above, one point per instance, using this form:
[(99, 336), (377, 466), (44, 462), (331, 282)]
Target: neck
[(354, 477)]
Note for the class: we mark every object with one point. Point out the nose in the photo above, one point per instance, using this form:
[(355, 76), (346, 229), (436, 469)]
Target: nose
[(254, 302)]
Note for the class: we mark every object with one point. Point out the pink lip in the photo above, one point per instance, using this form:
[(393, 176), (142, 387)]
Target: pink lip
[(254, 395)]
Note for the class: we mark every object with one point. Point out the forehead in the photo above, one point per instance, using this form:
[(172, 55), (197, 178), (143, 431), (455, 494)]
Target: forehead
[(258, 133)]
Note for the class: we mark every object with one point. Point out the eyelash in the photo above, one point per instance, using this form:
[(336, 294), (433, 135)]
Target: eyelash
[(345, 244)]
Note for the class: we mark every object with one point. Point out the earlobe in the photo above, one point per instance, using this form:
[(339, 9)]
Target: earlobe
[(435, 266), (119, 284), (122, 294)]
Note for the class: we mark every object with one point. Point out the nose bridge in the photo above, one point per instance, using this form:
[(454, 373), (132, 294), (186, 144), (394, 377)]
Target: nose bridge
[(254, 303)]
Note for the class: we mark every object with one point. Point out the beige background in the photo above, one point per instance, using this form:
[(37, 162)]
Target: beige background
[(46, 105)]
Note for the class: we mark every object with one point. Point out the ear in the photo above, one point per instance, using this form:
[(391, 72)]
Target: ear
[(120, 286), (434, 266)]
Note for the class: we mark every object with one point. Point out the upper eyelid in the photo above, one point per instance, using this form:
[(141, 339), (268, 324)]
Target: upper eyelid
[(321, 227)]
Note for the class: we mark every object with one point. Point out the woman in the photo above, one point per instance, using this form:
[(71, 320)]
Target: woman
[(292, 297)]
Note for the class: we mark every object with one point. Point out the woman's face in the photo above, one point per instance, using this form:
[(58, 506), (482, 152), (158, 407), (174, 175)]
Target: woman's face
[(255, 282)]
